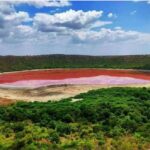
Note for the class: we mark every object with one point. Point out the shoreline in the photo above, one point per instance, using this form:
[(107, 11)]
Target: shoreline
[(56, 93), (19, 71)]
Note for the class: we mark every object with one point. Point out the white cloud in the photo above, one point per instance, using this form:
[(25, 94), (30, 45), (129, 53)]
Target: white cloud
[(104, 36), (99, 23), (10, 19), (111, 15), (70, 19), (8, 15), (39, 3), (24, 31), (5, 8), (50, 43), (117, 28), (17, 17), (70, 32)]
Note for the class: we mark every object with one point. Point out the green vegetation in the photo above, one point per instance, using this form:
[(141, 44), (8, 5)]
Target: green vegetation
[(14, 63), (104, 119)]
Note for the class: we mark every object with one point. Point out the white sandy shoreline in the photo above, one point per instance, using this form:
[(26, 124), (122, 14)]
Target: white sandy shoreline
[(54, 93)]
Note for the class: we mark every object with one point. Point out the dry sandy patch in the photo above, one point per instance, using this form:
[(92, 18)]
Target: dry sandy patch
[(53, 93)]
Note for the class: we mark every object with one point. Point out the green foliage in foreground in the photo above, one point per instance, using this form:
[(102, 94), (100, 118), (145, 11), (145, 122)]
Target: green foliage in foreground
[(104, 119), (14, 63)]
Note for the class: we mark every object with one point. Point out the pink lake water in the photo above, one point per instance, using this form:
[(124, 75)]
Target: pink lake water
[(96, 80)]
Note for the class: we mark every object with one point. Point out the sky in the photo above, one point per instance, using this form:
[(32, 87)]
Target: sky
[(37, 27)]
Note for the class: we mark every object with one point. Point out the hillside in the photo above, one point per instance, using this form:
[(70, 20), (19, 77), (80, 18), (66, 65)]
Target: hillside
[(115, 117), (14, 63)]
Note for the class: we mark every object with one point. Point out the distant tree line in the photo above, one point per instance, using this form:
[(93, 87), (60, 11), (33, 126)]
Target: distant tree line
[(14, 63)]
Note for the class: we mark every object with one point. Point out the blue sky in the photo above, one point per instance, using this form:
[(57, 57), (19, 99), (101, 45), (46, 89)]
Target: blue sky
[(34, 27), (139, 21)]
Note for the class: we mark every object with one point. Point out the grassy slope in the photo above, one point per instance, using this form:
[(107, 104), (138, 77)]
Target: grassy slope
[(119, 117), (13, 63)]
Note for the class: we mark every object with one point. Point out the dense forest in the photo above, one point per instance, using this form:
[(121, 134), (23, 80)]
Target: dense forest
[(104, 119), (14, 63)]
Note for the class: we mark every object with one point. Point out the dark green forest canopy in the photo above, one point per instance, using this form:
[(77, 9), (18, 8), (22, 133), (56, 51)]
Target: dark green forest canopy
[(14, 63), (119, 114)]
